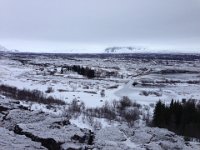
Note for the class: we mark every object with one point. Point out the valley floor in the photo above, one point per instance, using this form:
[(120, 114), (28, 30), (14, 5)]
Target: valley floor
[(144, 81)]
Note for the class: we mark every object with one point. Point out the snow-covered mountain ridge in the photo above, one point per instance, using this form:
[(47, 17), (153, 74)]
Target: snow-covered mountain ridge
[(3, 49), (125, 50), (108, 50)]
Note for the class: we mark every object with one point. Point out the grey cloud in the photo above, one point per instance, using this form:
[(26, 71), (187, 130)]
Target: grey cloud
[(101, 21)]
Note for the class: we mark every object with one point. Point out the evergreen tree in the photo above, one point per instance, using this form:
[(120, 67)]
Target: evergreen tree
[(182, 118), (158, 117)]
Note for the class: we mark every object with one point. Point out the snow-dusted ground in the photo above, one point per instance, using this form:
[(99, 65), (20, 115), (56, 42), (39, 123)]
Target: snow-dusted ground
[(73, 86), (35, 74)]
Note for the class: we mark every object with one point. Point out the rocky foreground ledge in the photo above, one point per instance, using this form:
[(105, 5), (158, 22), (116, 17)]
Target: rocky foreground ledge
[(21, 128)]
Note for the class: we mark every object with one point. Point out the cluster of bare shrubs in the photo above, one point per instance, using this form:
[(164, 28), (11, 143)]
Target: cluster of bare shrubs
[(147, 93), (123, 110), (28, 95), (49, 90), (75, 108)]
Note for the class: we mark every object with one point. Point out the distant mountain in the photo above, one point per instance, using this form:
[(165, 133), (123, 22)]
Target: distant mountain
[(14, 50), (125, 50), (3, 49)]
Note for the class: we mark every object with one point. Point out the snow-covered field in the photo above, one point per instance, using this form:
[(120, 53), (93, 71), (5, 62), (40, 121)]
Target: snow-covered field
[(144, 81), (70, 85), (152, 78)]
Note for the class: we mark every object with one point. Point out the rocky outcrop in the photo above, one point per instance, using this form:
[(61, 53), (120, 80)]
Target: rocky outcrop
[(37, 130), (54, 133), (17, 116), (49, 143), (9, 140), (151, 138), (140, 138)]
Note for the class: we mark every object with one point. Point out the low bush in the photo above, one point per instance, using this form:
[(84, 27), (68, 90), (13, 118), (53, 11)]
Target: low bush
[(28, 95), (123, 110), (49, 90)]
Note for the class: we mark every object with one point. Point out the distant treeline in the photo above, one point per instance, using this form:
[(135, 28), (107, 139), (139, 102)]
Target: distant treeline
[(85, 71), (182, 118), (28, 95)]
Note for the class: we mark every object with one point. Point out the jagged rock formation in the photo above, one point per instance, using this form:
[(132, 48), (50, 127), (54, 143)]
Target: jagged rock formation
[(10, 140), (37, 130), (52, 132)]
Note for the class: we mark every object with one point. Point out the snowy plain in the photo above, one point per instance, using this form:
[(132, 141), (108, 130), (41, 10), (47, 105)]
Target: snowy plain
[(144, 81)]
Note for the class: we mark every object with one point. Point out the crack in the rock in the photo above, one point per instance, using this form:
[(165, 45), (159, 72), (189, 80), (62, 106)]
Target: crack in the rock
[(48, 143)]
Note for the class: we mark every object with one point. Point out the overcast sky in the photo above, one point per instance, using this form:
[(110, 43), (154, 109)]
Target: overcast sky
[(66, 24)]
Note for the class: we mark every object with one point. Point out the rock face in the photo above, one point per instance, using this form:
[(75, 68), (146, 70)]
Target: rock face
[(110, 138), (9, 140), (46, 142), (52, 132), (17, 116), (151, 138), (36, 130), (143, 138)]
